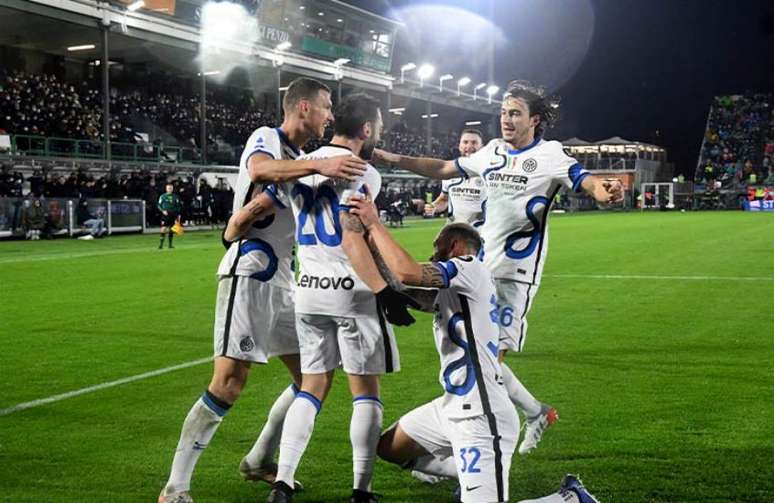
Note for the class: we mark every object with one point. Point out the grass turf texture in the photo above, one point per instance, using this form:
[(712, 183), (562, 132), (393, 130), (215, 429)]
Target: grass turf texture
[(663, 385)]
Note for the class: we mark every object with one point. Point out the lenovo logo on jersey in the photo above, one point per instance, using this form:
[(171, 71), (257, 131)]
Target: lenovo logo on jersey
[(324, 283), (504, 177)]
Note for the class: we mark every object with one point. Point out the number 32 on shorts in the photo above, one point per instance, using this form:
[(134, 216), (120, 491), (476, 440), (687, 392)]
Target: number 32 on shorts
[(469, 457)]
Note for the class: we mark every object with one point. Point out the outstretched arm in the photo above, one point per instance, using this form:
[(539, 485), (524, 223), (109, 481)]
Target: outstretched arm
[(404, 267), (265, 169), (260, 206), (603, 190), (425, 166)]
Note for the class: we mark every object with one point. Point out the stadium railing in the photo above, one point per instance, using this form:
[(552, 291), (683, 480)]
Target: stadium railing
[(50, 146), (120, 215)]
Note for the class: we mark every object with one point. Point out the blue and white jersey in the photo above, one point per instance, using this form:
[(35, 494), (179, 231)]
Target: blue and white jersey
[(520, 187), (466, 337), (266, 251), (466, 200), (327, 284)]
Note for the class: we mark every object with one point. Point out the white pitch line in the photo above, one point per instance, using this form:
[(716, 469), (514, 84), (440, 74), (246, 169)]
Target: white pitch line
[(97, 387), (97, 253), (648, 276)]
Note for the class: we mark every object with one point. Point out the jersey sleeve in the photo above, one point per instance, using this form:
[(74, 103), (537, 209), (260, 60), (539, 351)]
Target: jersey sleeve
[(475, 164), (371, 179), (279, 193), (569, 171), (459, 273), (264, 140)]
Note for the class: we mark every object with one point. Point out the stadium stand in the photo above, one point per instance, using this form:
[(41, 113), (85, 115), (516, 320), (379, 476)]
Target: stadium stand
[(738, 145)]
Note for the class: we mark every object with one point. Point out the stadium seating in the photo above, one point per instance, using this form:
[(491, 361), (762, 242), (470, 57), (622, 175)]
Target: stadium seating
[(738, 147)]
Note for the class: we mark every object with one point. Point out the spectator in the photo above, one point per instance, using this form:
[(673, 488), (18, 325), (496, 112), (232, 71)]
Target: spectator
[(85, 218), (33, 219)]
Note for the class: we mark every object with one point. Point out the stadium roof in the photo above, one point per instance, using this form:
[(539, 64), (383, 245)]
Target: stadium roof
[(575, 142)]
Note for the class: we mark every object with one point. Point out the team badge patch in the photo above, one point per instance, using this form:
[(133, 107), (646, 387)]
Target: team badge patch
[(246, 344), (529, 165)]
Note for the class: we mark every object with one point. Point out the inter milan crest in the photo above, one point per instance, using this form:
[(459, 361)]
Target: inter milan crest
[(246, 344), (529, 165)]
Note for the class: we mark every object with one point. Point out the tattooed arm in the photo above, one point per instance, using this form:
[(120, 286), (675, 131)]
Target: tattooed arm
[(425, 297), (354, 244), (258, 207)]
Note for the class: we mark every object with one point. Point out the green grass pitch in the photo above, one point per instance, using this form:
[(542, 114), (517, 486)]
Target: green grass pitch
[(645, 335)]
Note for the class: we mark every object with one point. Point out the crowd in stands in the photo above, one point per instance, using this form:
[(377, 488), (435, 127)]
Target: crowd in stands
[(43, 105), (738, 148)]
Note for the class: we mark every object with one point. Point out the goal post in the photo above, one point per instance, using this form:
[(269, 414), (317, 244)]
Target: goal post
[(657, 195)]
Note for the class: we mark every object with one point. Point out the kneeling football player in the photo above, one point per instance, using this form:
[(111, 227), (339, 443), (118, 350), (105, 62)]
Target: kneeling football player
[(470, 432)]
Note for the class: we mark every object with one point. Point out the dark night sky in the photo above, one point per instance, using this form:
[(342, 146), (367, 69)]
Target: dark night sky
[(649, 72)]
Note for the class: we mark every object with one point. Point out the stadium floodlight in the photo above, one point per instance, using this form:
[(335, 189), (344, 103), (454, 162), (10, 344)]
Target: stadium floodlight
[(432, 116), (405, 68), (211, 72), (398, 110), (443, 78), (490, 91), (473, 123), (464, 81), (284, 46), (283, 88), (425, 71), (134, 6), (475, 89), (85, 47)]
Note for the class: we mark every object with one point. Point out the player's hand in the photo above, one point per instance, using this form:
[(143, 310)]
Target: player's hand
[(384, 157), (429, 209), (365, 210), (395, 306), (614, 189), (347, 167)]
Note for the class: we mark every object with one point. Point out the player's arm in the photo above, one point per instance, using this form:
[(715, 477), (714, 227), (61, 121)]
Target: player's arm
[(441, 203), (405, 268), (425, 166), (603, 190), (354, 244), (259, 207), (425, 297), (263, 168)]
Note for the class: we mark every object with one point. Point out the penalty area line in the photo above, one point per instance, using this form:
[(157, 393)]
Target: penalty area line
[(669, 278), (97, 387)]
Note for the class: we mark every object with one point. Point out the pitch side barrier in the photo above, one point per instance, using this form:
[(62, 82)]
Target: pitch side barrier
[(120, 215)]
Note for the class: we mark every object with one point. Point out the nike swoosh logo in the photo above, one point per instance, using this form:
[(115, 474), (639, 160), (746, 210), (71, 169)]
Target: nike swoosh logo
[(471, 488)]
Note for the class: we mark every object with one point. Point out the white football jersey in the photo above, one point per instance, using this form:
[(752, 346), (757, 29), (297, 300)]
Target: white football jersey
[(327, 283), (266, 251), (467, 197), (520, 187), (466, 336)]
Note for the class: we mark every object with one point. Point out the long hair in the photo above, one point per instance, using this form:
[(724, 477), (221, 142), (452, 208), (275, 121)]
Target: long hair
[(547, 107)]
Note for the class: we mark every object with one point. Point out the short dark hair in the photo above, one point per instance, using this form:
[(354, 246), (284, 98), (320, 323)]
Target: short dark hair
[(353, 112), (471, 130), (302, 88), (464, 232), (537, 103)]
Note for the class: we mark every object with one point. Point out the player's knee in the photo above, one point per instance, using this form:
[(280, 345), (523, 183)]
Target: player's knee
[(228, 387)]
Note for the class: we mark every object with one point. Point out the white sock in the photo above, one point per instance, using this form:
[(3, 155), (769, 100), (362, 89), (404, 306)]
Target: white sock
[(198, 428), (565, 497), (364, 430), (519, 395), (265, 447), (432, 465), (296, 432)]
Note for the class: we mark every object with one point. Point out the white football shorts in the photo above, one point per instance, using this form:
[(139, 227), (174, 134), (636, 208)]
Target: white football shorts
[(361, 345), (254, 320), (482, 449), (515, 300)]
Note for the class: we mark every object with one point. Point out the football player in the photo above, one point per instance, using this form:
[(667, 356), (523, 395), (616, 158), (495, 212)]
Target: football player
[(522, 173), (463, 197), (470, 432), (254, 316)]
